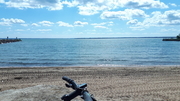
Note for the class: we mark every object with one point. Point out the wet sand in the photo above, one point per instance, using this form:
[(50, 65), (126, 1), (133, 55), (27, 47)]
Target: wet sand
[(105, 83)]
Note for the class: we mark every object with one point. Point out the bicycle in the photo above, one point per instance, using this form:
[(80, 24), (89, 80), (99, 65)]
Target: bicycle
[(80, 90)]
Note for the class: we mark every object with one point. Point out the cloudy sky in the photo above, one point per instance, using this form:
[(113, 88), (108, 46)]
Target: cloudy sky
[(89, 18)]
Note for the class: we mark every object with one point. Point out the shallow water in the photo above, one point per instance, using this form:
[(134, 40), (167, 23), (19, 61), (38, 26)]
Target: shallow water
[(90, 52)]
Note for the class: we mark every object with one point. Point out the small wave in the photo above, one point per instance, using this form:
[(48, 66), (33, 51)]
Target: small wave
[(111, 60), (23, 59)]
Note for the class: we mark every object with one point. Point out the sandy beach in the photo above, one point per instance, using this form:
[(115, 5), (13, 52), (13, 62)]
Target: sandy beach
[(105, 83)]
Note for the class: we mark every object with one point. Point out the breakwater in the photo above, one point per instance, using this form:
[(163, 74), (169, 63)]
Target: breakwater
[(171, 39), (7, 40)]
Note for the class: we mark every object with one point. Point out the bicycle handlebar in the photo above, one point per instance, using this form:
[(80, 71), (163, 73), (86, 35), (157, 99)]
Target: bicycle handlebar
[(79, 90), (70, 81)]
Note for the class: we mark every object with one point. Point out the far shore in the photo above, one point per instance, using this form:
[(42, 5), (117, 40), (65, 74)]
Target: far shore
[(134, 83)]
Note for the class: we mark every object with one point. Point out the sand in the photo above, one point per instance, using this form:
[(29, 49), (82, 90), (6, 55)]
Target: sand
[(105, 83)]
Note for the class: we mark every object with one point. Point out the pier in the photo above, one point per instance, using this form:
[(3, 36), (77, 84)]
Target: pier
[(7, 40)]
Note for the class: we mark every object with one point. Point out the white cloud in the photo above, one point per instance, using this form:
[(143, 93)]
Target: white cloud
[(25, 25), (171, 17), (173, 4), (35, 24), (19, 30), (44, 30), (98, 24), (113, 4), (1, 1), (146, 4), (132, 22), (110, 23), (101, 27), (91, 7), (137, 28), (70, 4), (46, 23), (86, 7), (127, 14), (79, 23), (114, 15), (13, 21), (49, 4), (5, 24), (8, 22), (64, 24), (103, 24), (158, 19), (170, 29)]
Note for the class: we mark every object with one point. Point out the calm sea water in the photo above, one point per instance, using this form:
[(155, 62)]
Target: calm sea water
[(90, 52)]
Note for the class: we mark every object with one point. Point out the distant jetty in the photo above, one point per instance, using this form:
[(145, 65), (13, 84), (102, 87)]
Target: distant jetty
[(7, 40), (173, 39)]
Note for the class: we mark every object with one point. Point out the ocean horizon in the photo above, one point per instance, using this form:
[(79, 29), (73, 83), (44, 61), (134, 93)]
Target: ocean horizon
[(101, 51)]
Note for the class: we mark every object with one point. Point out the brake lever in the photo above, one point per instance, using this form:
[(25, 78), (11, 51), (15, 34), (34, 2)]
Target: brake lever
[(68, 85)]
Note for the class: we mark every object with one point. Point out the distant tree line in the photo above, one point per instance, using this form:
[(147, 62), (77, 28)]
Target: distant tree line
[(178, 36)]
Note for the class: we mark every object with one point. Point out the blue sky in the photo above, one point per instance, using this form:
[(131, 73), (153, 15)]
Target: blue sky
[(89, 18)]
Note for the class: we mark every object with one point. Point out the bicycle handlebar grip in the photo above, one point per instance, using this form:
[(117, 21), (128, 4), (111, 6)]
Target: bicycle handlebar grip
[(66, 79), (74, 85)]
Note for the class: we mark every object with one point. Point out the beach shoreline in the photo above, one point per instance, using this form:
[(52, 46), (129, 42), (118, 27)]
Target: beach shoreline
[(105, 83)]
